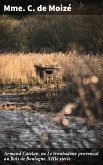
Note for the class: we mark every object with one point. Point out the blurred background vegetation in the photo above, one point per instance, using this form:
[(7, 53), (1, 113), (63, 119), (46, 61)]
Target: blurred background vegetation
[(52, 33)]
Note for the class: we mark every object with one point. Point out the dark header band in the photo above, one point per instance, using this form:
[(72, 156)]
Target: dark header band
[(52, 7)]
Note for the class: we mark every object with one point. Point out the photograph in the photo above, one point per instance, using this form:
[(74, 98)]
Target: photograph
[(51, 82)]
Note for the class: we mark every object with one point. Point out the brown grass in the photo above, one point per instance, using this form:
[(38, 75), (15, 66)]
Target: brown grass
[(83, 73), (19, 68)]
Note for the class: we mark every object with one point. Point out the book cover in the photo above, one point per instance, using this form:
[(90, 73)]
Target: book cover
[(51, 81)]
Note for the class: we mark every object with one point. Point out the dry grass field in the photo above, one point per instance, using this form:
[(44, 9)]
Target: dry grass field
[(82, 73), (19, 68)]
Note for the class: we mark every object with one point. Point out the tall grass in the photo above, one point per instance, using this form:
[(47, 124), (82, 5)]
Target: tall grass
[(19, 68), (83, 75)]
